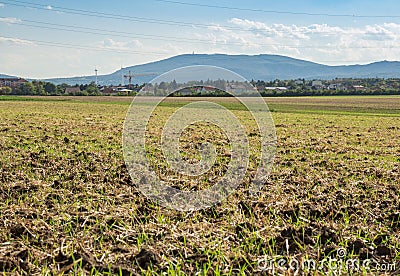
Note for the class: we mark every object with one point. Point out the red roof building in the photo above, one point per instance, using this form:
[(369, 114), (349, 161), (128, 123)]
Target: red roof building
[(12, 82)]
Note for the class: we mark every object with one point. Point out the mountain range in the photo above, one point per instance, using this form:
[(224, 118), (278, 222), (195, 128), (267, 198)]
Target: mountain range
[(257, 67), (6, 76)]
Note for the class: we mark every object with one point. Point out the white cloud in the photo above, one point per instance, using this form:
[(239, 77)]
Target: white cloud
[(380, 32), (9, 20), (15, 41), (317, 42), (1, 5), (324, 43), (274, 30), (121, 45), (137, 47), (392, 27), (49, 7)]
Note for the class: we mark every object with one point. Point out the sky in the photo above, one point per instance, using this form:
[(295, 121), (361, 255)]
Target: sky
[(65, 38)]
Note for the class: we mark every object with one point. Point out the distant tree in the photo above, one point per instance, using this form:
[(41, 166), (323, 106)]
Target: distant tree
[(50, 88), (163, 85), (61, 88), (173, 85), (5, 90), (92, 89), (82, 93), (39, 90), (26, 88)]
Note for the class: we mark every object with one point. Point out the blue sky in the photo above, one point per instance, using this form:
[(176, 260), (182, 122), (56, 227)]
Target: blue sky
[(42, 39)]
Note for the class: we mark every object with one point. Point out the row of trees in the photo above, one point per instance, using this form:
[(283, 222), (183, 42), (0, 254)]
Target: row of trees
[(327, 92), (354, 85), (43, 88), (300, 87), (30, 88), (366, 82)]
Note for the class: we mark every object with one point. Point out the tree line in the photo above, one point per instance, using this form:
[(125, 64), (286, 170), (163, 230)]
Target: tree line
[(44, 88), (275, 88), (338, 86)]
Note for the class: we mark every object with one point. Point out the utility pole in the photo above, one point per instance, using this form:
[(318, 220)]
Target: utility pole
[(95, 72)]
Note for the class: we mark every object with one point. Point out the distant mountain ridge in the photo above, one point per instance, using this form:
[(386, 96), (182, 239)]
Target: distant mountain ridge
[(4, 76), (257, 67)]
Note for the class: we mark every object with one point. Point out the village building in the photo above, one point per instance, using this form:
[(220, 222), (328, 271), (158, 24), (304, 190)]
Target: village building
[(280, 88), (358, 87), (12, 82), (316, 83), (114, 90), (72, 90)]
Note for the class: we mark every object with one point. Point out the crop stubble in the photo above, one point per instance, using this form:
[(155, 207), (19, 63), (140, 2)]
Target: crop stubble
[(67, 203)]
